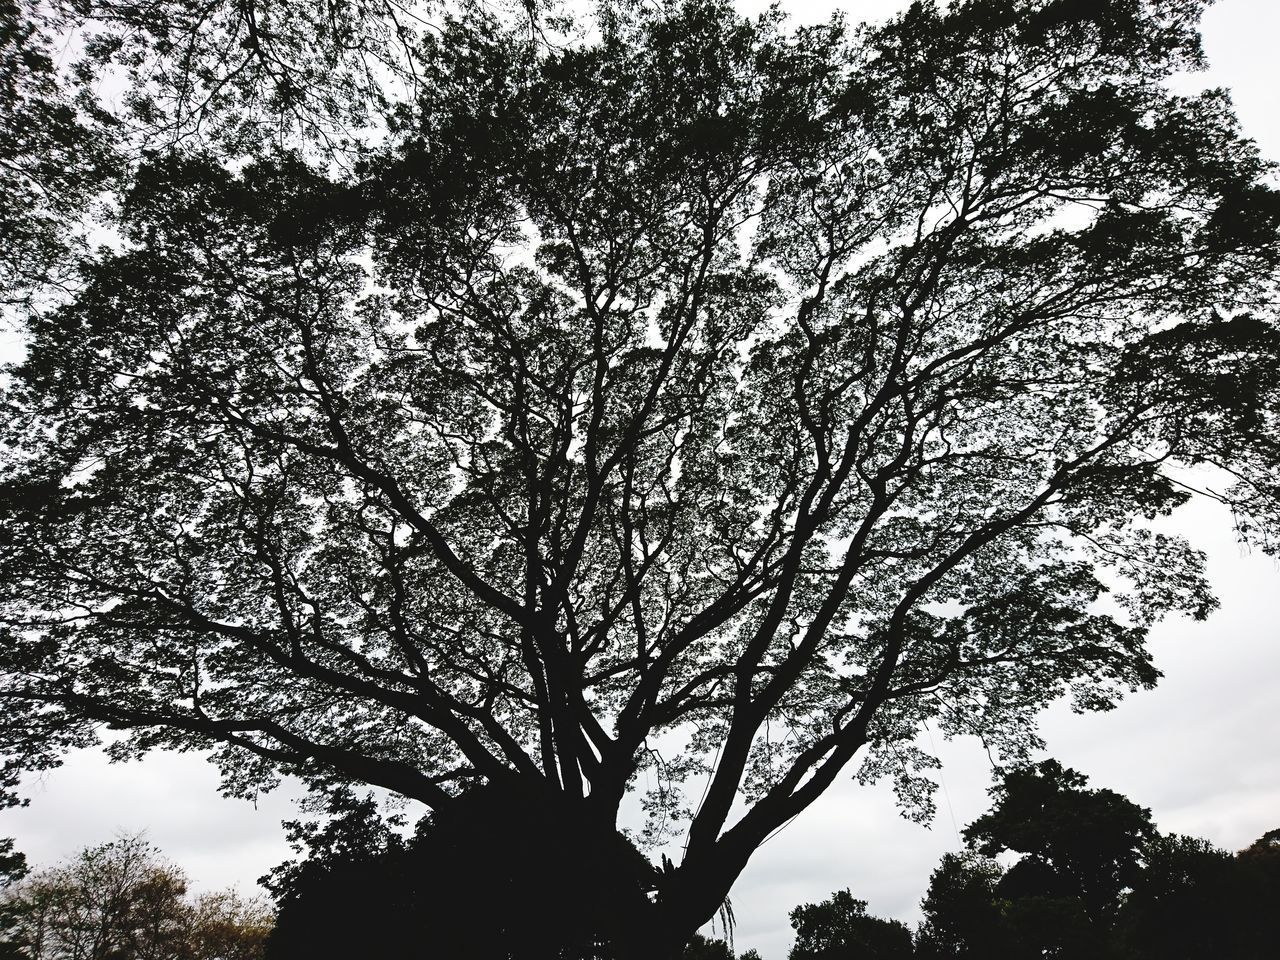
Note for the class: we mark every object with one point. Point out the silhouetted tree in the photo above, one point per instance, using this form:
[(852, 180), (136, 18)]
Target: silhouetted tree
[(469, 882), (13, 867), (1193, 900), (1075, 843), (1093, 880), (963, 919), (355, 892), (706, 948), (683, 401), (1187, 902), (841, 929)]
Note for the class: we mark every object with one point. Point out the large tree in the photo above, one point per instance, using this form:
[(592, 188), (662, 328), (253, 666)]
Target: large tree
[(660, 403)]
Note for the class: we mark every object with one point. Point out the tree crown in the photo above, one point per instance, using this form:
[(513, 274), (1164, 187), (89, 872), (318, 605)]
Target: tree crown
[(699, 401)]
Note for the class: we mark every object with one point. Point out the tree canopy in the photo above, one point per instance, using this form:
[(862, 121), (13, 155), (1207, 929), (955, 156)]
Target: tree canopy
[(660, 402), (840, 928), (1073, 842)]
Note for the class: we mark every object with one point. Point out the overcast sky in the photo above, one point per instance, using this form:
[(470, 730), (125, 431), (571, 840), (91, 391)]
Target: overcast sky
[(1200, 750)]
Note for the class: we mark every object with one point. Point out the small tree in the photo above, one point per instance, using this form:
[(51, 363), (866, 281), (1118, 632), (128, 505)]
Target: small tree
[(226, 926), (706, 948), (13, 867), (963, 919), (841, 929), (121, 901)]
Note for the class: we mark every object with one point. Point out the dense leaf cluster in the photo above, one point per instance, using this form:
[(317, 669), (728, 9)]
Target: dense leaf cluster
[(474, 881), (840, 928), (54, 159)]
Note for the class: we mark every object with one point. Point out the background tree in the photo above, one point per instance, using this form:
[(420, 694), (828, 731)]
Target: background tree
[(353, 892), (1075, 843), (963, 919), (1094, 880), (685, 399), (1079, 851), (706, 948), (226, 926), (841, 929), (121, 901), (1194, 900), (13, 867), (113, 901)]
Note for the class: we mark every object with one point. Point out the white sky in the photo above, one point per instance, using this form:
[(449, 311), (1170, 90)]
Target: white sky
[(1200, 750)]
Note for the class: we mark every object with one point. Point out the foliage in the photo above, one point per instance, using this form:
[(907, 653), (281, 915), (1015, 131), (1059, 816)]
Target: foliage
[(704, 948), (13, 864), (1074, 842), (249, 74), (841, 929), (1094, 880), (120, 900), (962, 915), (13, 867), (677, 404), (363, 887), (54, 156)]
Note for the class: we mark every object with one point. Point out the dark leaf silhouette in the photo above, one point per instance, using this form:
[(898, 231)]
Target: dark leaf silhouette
[(1093, 879), (841, 929)]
